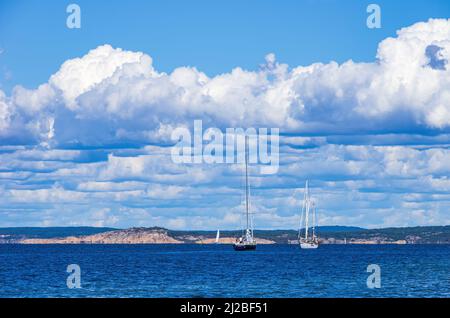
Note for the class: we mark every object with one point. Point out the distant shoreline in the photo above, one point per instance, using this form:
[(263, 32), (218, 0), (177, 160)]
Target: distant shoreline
[(157, 235)]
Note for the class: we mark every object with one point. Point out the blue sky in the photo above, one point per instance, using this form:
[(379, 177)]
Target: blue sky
[(214, 36), (86, 114)]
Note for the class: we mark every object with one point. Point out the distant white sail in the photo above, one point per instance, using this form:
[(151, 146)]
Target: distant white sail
[(217, 236)]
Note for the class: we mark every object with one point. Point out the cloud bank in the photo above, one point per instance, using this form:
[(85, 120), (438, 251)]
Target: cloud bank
[(407, 87)]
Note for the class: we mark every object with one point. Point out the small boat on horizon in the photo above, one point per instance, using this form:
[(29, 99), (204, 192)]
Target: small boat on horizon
[(246, 242), (217, 237), (307, 237)]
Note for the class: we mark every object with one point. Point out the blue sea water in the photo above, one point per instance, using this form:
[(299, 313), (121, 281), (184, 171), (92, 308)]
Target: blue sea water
[(218, 271)]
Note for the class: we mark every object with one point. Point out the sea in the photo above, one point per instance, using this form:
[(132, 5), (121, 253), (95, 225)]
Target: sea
[(183, 270)]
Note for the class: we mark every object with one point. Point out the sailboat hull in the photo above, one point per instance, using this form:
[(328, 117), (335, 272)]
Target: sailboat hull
[(309, 245), (244, 247)]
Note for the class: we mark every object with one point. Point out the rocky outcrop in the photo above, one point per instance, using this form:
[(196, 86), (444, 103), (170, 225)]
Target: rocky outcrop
[(129, 236)]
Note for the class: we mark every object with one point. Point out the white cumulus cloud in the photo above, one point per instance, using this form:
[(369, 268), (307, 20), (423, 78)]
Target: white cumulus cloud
[(114, 94)]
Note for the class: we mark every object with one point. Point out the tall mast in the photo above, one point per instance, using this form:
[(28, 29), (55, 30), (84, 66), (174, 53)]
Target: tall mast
[(313, 220), (246, 179), (307, 210), (301, 223), (302, 214)]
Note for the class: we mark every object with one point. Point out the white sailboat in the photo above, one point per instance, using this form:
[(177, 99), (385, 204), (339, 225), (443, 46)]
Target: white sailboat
[(217, 237), (307, 237), (246, 241)]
